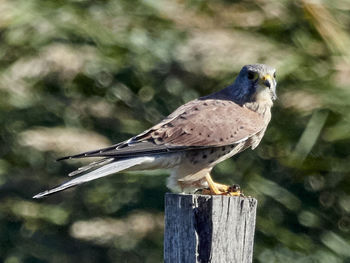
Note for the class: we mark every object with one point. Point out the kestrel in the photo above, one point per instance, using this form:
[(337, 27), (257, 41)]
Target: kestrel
[(194, 138)]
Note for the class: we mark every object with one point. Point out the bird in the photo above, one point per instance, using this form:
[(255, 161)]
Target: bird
[(193, 139)]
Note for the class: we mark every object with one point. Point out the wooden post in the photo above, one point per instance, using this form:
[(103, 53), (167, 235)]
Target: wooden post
[(203, 228)]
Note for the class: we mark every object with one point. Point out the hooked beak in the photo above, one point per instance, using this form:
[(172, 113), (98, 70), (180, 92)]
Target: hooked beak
[(270, 83)]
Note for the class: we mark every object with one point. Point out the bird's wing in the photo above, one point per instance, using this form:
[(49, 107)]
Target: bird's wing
[(197, 124), (209, 123)]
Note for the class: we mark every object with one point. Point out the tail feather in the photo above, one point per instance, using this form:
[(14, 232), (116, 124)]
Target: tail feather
[(105, 170)]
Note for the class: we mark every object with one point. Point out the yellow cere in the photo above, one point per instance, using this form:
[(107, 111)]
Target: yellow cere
[(266, 77)]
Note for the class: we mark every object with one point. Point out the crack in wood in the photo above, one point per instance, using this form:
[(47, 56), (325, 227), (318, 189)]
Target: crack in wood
[(215, 229)]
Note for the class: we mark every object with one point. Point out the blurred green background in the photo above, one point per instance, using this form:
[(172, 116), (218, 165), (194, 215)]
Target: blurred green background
[(79, 75)]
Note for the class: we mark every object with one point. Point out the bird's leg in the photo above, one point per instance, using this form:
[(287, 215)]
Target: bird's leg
[(212, 186), (222, 189)]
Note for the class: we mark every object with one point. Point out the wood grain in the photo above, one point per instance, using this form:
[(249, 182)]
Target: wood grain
[(202, 228)]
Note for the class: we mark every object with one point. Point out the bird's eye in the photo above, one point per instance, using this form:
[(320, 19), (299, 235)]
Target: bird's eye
[(274, 75), (251, 74)]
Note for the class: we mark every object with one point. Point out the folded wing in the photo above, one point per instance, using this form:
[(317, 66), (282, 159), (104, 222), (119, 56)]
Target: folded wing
[(197, 124)]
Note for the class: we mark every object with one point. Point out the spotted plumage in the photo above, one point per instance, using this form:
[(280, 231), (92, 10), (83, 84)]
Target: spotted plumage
[(194, 138)]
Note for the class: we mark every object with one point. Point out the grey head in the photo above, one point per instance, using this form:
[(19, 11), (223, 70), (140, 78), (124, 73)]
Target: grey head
[(252, 82)]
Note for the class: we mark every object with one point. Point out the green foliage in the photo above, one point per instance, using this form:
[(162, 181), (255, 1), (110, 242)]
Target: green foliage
[(79, 75)]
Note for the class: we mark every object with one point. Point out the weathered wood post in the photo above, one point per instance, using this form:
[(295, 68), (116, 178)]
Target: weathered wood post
[(203, 228)]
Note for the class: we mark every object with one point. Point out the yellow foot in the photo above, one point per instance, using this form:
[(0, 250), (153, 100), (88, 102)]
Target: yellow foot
[(221, 189), (233, 190)]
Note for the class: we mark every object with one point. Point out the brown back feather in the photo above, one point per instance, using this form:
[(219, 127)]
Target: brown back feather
[(208, 123)]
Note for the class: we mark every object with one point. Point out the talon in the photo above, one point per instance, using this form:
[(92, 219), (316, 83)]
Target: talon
[(235, 190), (198, 191), (221, 189)]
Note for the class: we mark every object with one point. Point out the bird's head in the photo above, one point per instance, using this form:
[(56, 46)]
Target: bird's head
[(256, 82)]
